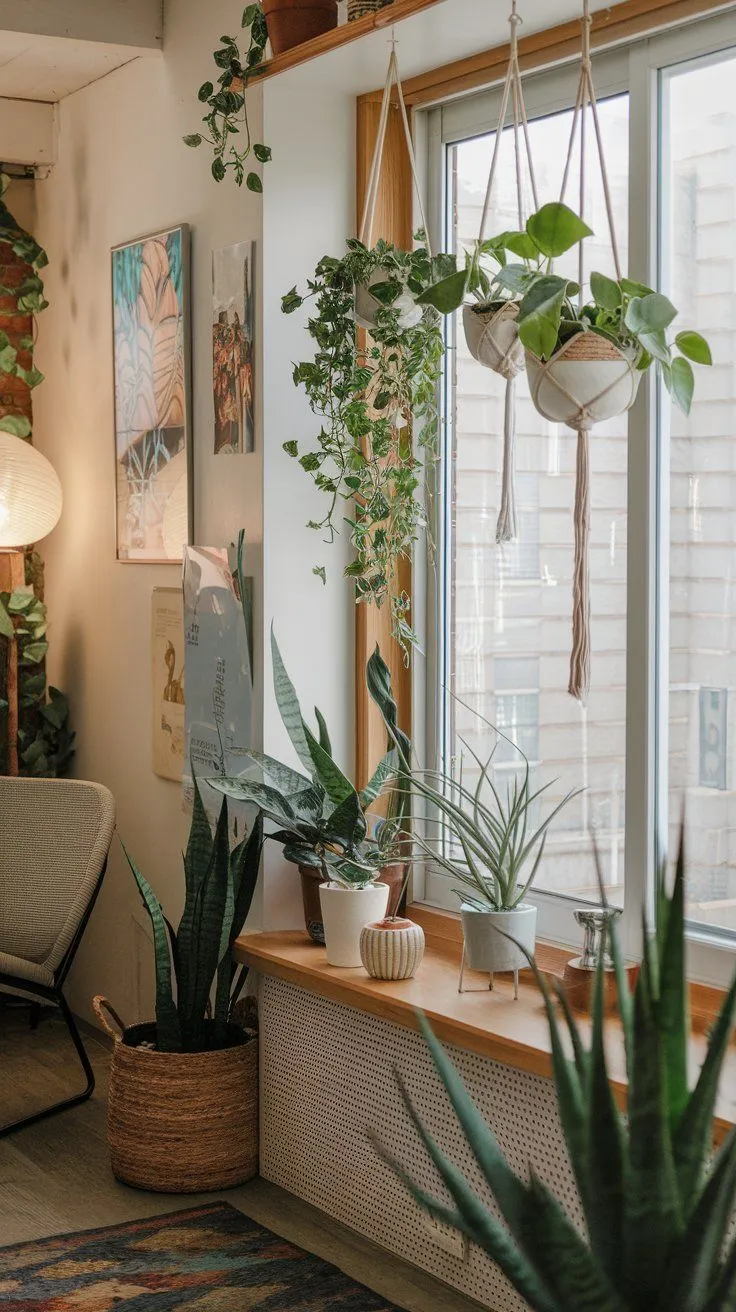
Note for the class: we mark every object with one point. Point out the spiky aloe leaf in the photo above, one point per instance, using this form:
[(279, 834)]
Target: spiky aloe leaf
[(604, 1156), (168, 1029), (288, 704), (674, 1020), (692, 1138), (694, 1268), (653, 1217), (561, 1256)]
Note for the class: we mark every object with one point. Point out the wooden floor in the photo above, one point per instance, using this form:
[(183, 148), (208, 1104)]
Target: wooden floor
[(55, 1176)]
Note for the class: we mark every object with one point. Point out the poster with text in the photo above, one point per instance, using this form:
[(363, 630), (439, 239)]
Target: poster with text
[(167, 654), (233, 348), (219, 704)]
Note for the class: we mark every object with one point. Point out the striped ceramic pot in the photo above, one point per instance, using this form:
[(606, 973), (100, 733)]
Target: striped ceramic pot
[(392, 949)]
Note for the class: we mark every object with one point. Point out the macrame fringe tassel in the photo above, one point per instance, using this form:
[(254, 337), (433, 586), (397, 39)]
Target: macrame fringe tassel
[(506, 525), (580, 656)]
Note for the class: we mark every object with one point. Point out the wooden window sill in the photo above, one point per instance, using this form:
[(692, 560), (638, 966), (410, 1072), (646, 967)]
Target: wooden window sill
[(343, 35), (491, 1024)]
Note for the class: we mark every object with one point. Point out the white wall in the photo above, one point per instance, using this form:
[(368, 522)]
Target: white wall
[(122, 172)]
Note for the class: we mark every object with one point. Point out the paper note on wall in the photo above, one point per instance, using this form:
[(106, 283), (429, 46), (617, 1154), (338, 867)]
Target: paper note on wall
[(219, 705), (167, 663)]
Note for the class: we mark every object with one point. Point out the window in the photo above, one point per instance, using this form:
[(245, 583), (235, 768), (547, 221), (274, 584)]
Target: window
[(663, 533)]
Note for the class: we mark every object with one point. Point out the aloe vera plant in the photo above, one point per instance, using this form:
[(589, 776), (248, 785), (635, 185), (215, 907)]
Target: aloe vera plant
[(195, 971), (320, 816), (658, 1207)]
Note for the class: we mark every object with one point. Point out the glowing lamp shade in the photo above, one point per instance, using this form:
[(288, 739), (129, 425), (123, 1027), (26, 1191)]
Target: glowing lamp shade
[(30, 493)]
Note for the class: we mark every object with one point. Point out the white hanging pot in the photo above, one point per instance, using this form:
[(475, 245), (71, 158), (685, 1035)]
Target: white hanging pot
[(344, 913), (489, 950), (392, 949), (586, 381), (368, 307), (492, 338)]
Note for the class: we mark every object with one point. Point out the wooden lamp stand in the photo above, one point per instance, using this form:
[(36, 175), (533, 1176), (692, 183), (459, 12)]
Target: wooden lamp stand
[(12, 578)]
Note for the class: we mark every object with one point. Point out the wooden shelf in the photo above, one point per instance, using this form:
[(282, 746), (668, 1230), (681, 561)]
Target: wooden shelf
[(492, 1025), (343, 35)]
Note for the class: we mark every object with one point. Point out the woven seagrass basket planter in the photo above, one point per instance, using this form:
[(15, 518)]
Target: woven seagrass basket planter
[(183, 1122)]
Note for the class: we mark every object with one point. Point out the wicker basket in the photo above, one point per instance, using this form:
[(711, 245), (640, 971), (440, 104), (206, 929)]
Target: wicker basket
[(359, 8), (181, 1122)]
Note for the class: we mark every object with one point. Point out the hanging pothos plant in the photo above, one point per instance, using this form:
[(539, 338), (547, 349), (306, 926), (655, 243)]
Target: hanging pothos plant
[(29, 299), (377, 404), (227, 105)]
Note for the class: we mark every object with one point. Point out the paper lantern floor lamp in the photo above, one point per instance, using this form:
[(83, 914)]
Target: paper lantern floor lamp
[(30, 506)]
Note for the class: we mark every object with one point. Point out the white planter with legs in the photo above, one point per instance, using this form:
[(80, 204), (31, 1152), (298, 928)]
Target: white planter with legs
[(492, 937), (344, 913)]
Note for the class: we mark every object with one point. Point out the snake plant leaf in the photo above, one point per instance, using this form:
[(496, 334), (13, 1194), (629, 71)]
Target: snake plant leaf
[(245, 862), (347, 824), (324, 733), (208, 932), (723, 1298), (328, 773), (652, 1219), (224, 963), (277, 775), (693, 1135), (480, 1223), (168, 1029), (288, 704), (385, 770), (696, 1256), (273, 804), (378, 679), (196, 862), (673, 1002)]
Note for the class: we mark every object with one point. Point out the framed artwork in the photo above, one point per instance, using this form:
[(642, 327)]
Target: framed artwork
[(233, 348), (151, 338), (167, 665)]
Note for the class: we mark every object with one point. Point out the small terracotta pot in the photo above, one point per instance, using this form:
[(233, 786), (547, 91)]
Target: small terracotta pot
[(393, 875), (291, 22), (392, 949)]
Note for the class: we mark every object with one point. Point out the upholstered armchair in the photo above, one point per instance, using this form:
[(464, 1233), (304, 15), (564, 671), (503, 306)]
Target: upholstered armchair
[(55, 835)]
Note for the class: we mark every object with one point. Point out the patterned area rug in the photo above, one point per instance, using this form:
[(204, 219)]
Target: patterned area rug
[(208, 1259)]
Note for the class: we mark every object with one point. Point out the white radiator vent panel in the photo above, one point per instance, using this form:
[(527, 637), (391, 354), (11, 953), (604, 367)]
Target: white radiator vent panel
[(327, 1077)]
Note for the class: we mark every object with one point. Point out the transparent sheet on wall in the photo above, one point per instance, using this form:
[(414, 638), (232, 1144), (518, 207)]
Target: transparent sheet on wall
[(509, 629), (698, 176)]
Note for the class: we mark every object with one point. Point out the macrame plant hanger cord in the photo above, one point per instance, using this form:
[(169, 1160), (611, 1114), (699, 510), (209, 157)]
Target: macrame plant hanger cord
[(579, 680), (511, 363), (371, 195)]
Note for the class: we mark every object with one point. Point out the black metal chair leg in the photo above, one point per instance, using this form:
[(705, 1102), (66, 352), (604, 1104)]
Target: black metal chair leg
[(66, 1103)]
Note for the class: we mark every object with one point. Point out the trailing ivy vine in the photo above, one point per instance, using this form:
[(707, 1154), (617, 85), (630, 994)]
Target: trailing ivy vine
[(227, 105), (377, 406)]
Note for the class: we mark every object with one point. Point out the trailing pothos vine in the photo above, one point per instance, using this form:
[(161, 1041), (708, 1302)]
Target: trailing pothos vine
[(377, 404), (45, 743), (227, 105)]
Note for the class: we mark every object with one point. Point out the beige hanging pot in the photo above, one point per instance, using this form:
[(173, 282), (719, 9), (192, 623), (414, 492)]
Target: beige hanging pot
[(490, 331), (368, 306), (588, 380)]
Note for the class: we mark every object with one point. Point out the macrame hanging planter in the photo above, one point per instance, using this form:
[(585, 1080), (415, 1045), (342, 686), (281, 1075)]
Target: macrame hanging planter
[(367, 306), (490, 332), (588, 380)]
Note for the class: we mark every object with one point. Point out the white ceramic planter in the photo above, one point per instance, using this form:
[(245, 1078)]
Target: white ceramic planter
[(488, 950), (367, 307), (392, 949), (569, 384), (344, 913), (493, 340)]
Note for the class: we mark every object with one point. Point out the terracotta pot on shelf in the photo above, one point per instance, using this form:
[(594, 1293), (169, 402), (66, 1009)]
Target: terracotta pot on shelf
[(311, 878), (291, 22)]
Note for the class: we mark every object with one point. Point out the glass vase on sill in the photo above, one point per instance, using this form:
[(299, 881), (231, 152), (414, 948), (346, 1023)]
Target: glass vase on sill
[(359, 8)]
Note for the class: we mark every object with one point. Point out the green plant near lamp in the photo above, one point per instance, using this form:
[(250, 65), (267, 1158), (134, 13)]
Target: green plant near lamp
[(489, 842), (196, 1065), (226, 121), (377, 407), (658, 1204)]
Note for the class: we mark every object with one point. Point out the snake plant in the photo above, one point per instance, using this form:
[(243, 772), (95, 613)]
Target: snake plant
[(320, 816), (658, 1206), (198, 957)]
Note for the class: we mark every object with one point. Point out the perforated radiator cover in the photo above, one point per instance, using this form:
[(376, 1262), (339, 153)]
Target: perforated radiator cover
[(327, 1076)]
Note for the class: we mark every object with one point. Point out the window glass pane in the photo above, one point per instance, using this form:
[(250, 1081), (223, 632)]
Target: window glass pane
[(508, 631), (699, 273)]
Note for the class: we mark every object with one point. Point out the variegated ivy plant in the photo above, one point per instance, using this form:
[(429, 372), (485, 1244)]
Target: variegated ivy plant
[(320, 818)]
